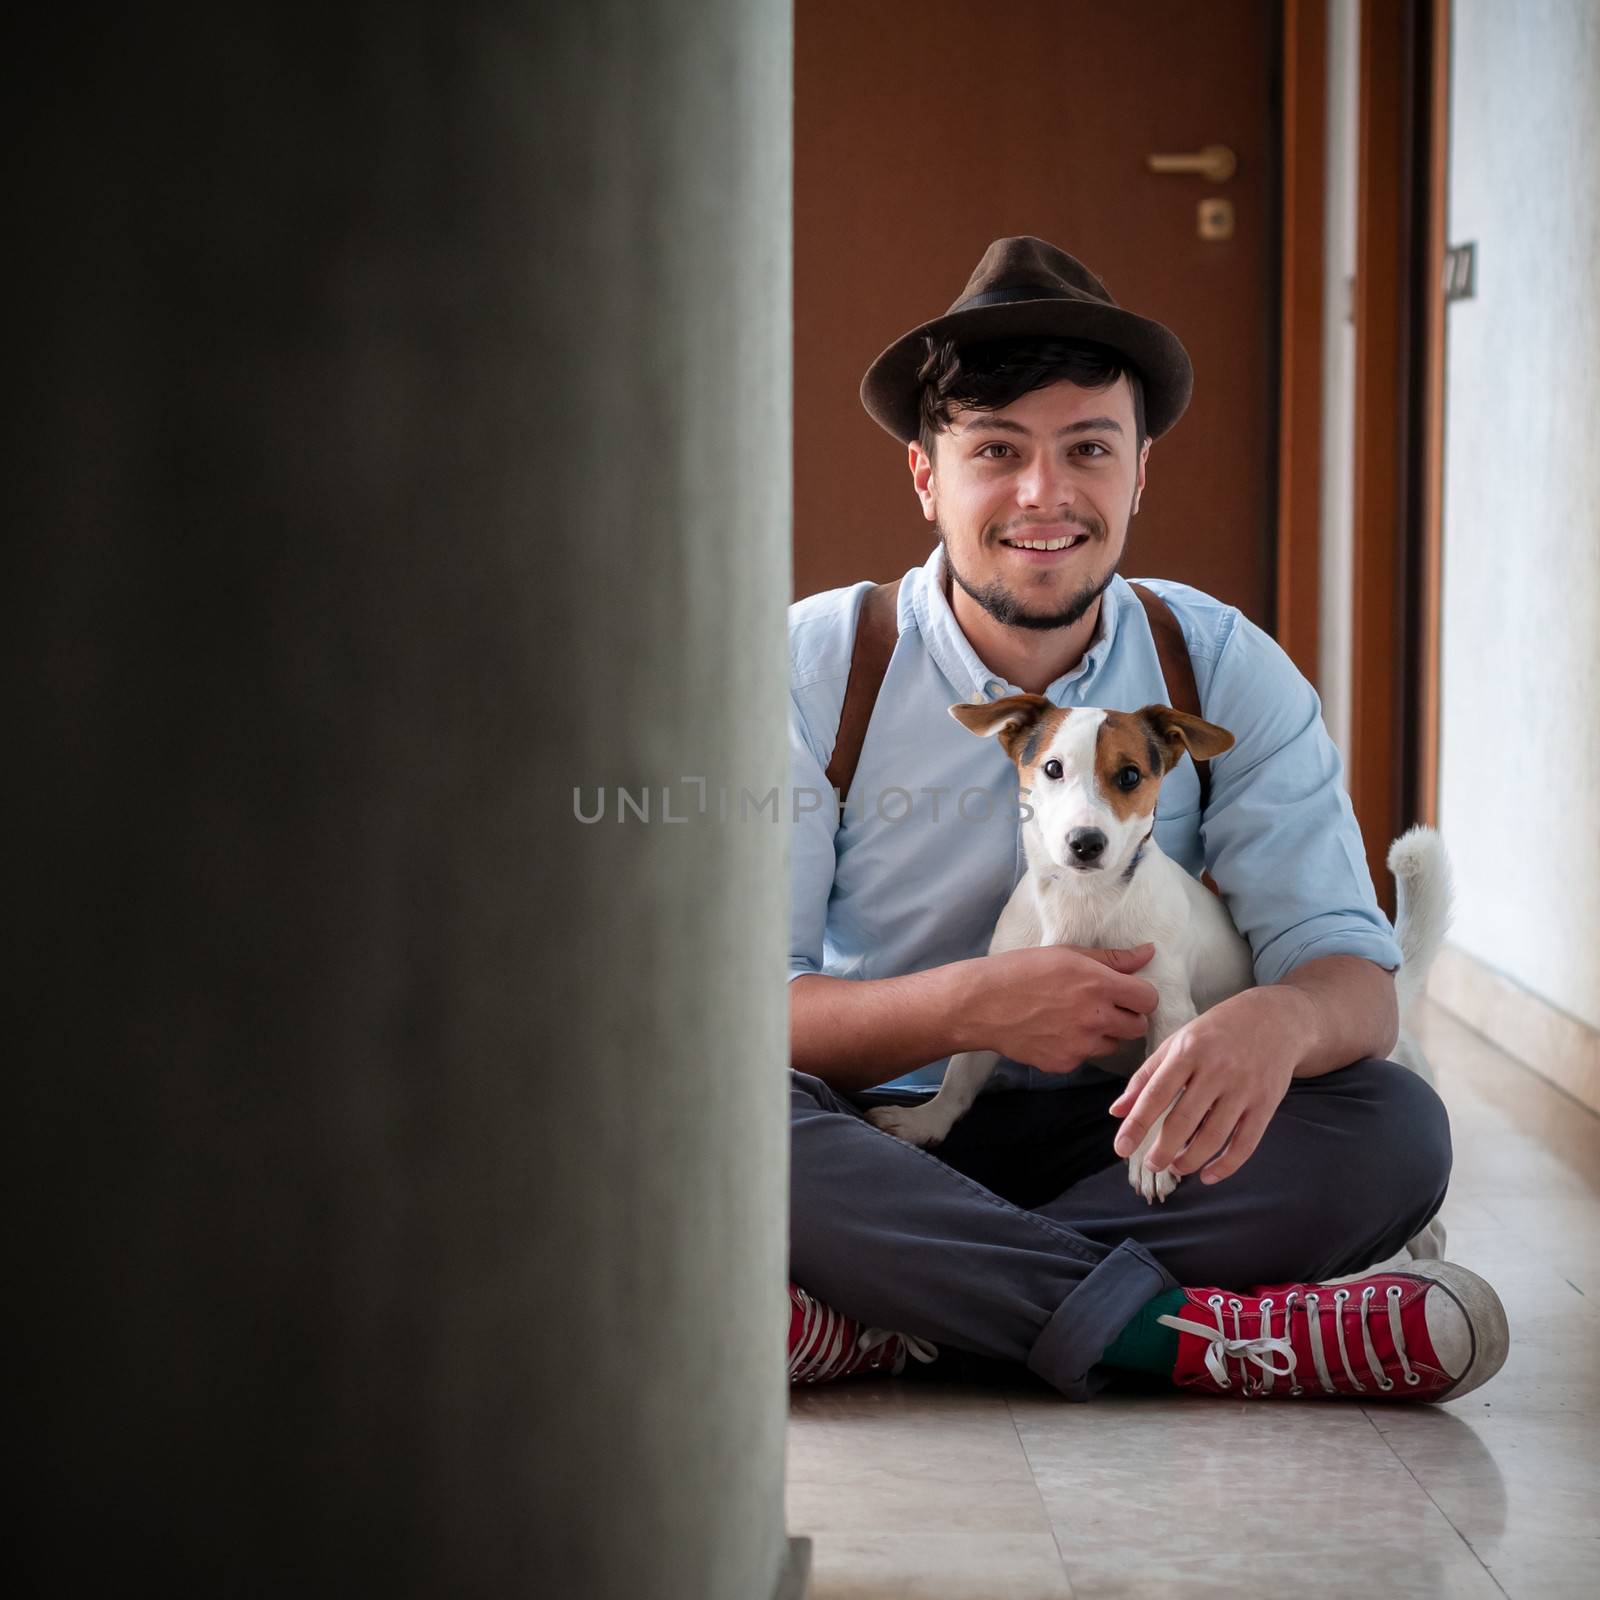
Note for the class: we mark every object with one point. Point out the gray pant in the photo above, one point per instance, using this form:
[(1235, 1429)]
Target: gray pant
[(1020, 1239)]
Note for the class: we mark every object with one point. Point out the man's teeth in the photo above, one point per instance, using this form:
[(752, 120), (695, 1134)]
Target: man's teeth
[(1043, 544)]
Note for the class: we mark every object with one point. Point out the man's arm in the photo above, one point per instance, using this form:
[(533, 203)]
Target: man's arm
[(855, 1033), (1279, 836), (1052, 1007), (1347, 1011)]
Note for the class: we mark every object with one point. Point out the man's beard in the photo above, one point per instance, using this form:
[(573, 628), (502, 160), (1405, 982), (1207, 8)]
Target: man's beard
[(1005, 606)]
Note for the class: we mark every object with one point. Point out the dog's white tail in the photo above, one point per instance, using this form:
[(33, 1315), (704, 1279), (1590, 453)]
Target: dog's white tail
[(1421, 871)]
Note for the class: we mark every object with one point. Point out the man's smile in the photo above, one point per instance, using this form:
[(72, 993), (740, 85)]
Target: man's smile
[(1045, 545)]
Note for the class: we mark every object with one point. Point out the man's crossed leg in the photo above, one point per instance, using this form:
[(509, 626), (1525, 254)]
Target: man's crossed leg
[(1020, 1240)]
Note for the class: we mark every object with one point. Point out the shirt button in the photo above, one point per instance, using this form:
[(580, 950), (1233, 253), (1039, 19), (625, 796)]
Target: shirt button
[(994, 690)]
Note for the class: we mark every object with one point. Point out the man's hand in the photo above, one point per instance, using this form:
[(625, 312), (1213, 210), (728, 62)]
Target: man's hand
[(1233, 1065), (1055, 1006)]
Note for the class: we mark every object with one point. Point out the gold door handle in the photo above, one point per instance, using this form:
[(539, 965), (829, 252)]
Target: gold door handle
[(1216, 162)]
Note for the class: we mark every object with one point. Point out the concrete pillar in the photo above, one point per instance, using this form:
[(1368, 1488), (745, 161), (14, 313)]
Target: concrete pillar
[(406, 446)]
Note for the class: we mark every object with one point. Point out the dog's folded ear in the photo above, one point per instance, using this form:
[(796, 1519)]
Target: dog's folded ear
[(1013, 718), (1177, 731)]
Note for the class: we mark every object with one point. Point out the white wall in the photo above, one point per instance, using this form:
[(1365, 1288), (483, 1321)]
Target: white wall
[(1520, 762)]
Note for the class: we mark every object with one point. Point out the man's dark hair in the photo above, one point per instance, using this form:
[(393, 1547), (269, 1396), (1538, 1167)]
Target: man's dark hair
[(989, 376)]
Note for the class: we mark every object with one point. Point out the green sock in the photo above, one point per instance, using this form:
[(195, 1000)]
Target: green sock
[(1145, 1345)]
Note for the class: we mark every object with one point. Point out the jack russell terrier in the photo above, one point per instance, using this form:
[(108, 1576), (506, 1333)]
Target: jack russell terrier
[(1097, 877)]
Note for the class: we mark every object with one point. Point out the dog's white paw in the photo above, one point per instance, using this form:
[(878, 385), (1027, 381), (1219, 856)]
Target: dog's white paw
[(911, 1123), (1153, 1186)]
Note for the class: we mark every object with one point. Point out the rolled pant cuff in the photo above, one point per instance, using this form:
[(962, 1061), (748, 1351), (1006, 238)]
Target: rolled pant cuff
[(1091, 1317)]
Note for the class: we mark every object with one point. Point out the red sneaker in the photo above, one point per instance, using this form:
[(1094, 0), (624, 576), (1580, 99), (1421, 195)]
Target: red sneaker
[(1427, 1331), (824, 1344)]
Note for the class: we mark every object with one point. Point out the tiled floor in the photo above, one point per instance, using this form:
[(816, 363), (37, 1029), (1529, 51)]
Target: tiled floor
[(945, 1493)]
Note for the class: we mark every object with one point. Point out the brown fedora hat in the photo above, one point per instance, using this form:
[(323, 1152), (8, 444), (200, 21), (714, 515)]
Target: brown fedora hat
[(1026, 288)]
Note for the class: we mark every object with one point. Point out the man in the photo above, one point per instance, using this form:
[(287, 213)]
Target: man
[(1028, 412)]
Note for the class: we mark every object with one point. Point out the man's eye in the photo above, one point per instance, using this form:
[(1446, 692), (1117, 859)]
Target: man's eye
[(984, 450), (1094, 444), (1129, 778), (1052, 769)]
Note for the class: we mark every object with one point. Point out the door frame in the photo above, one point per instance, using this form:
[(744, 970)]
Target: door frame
[(1398, 311), (1425, 735), (1298, 552), (1399, 318)]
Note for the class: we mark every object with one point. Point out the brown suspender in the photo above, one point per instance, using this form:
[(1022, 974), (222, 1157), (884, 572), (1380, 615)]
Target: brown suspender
[(877, 628), (876, 632), (1177, 671)]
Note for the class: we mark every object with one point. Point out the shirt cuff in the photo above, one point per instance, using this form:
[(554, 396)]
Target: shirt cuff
[(1324, 936)]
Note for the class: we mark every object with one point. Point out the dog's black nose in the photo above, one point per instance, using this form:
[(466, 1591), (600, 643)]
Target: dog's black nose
[(1086, 845)]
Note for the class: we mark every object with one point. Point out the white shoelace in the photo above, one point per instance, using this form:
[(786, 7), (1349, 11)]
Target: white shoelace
[(1256, 1352), (822, 1351), (917, 1349)]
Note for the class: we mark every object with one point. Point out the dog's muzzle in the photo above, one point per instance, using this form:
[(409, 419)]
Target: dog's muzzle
[(1086, 846)]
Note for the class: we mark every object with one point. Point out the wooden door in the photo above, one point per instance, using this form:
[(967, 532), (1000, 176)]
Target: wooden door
[(926, 128)]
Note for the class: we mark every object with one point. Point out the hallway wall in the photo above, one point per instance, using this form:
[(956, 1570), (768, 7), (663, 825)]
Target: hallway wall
[(1520, 762), (403, 443)]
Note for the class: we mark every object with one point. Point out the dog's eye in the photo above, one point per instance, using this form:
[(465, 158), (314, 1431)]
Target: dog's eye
[(1052, 769), (1129, 778)]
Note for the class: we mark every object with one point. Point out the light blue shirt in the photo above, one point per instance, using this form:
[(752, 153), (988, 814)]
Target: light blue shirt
[(913, 876)]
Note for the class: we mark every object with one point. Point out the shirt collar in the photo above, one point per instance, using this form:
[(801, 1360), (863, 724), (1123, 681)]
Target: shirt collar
[(954, 656)]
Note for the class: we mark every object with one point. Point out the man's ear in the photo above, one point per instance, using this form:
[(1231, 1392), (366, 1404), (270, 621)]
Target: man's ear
[(1012, 718), (1138, 487), (1177, 731), (921, 464)]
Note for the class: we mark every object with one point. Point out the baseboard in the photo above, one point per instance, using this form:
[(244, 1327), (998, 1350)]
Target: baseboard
[(1553, 1044)]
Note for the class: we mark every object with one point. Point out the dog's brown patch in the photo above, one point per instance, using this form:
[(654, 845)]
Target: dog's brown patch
[(1125, 740), (1029, 751), (1177, 731), (1025, 724)]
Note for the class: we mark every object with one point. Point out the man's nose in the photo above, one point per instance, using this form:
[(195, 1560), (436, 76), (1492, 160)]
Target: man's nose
[(1087, 845), (1046, 485)]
